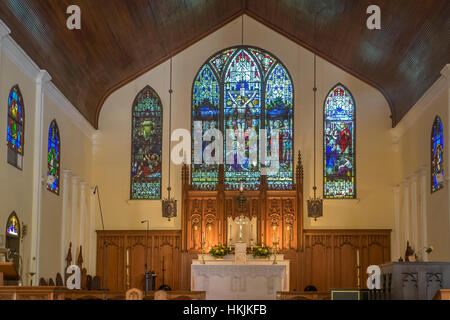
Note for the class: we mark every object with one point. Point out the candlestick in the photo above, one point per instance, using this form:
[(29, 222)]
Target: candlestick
[(357, 257), (128, 257), (219, 233)]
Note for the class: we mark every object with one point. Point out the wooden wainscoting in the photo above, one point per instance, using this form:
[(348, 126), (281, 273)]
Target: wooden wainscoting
[(161, 244), (327, 259)]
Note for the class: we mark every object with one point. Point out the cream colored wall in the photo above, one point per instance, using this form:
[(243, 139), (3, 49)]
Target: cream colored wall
[(375, 169), (76, 156), (16, 187), (414, 152)]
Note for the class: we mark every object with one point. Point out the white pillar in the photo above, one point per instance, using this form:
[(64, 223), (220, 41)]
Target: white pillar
[(405, 214), (414, 221), (92, 234), (4, 32), (66, 182), (397, 227), (74, 217), (83, 208), (38, 180), (423, 178)]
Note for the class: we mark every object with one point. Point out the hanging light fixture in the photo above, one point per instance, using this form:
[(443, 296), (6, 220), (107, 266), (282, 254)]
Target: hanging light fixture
[(169, 205), (315, 205)]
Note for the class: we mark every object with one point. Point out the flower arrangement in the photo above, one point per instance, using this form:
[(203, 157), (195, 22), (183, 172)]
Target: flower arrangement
[(261, 251), (219, 251)]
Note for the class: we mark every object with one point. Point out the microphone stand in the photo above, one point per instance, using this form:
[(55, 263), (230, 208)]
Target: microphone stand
[(164, 286), (105, 245)]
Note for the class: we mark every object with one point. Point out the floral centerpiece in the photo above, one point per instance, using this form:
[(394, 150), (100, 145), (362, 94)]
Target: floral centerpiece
[(219, 251), (261, 251)]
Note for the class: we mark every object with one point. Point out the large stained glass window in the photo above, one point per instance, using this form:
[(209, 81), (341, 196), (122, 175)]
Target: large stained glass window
[(146, 146), (53, 158), (437, 155), (339, 144), (243, 88), (15, 125)]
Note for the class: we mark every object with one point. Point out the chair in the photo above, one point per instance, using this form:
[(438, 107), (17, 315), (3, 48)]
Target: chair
[(134, 294)]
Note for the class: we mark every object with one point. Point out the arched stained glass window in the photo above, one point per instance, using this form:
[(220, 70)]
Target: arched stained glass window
[(53, 158), (15, 131), (339, 144), (242, 88), (12, 226), (146, 146), (437, 155)]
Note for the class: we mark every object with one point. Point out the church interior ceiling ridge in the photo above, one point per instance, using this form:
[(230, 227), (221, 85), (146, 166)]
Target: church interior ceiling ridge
[(120, 40)]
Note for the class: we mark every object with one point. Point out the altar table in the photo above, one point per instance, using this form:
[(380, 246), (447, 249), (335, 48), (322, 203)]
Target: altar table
[(239, 282)]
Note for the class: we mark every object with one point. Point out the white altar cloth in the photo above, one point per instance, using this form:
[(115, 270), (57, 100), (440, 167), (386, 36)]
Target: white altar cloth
[(239, 282)]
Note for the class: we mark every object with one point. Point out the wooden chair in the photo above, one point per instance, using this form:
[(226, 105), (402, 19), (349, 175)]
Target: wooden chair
[(51, 283), (308, 295), (42, 282), (59, 280), (134, 294)]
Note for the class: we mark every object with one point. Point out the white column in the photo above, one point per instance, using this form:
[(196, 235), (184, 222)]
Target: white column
[(92, 234), (38, 180), (74, 217), (423, 194), (414, 221), (83, 208), (397, 227), (405, 214), (4, 32), (66, 182)]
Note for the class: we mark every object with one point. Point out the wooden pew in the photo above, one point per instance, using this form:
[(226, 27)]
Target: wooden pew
[(308, 295)]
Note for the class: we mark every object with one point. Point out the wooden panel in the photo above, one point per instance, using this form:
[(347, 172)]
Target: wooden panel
[(161, 245), (120, 40)]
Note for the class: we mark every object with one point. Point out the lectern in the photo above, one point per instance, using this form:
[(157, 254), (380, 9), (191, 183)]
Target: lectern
[(8, 272)]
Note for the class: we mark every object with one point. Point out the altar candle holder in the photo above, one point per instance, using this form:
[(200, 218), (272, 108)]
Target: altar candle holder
[(203, 252), (128, 269)]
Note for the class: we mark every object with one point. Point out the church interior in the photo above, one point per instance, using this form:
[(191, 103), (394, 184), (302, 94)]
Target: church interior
[(224, 150)]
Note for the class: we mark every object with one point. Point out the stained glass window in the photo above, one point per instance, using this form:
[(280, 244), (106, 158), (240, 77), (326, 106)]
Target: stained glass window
[(53, 158), (339, 145), (437, 155), (12, 226), (146, 146), (15, 127), (243, 88)]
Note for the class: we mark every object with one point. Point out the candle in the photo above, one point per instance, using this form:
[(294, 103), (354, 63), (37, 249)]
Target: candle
[(241, 188), (128, 257), (357, 257), (219, 231)]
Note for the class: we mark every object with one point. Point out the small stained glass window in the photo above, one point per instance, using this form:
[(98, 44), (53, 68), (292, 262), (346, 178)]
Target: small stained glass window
[(437, 156), (53, 158)]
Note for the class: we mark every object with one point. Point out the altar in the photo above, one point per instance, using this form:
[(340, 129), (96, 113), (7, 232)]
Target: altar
[(227, 281)]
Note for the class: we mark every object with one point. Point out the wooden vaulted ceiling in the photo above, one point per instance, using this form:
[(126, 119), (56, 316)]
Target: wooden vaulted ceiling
[(121, 39)]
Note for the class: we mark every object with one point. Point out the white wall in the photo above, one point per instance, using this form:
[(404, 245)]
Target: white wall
[(375, 168)]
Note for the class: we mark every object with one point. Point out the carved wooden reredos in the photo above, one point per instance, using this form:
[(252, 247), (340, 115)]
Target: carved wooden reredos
[(208, 211)]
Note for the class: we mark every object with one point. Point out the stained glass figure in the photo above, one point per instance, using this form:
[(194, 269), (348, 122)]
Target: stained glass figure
[(12, 226), (146, 146), (339, 145), (53, 158), (205, 108), (437, 156), (15, 120), (279, 115), (249, 89)]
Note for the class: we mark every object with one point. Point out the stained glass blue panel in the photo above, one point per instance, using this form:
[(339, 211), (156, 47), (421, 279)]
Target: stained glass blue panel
[(437, 156), (146, 146), (339, 145), (53, 158), (242, 111), (15, 120), (205, 108), (279, 116)]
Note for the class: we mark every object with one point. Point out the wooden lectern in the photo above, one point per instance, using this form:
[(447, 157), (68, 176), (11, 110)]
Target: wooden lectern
[(8, 272)]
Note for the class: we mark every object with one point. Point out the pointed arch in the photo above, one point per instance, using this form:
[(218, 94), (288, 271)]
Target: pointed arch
[(146, 146), (339, 129), (252, 91), (13, 226), (53, 158), (15, 127), (437, 155)]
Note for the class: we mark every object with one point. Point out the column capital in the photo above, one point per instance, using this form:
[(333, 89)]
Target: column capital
[(67, 173), (43, 77), (4, 30), (84, 185), (75, 179), (396, 188)]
